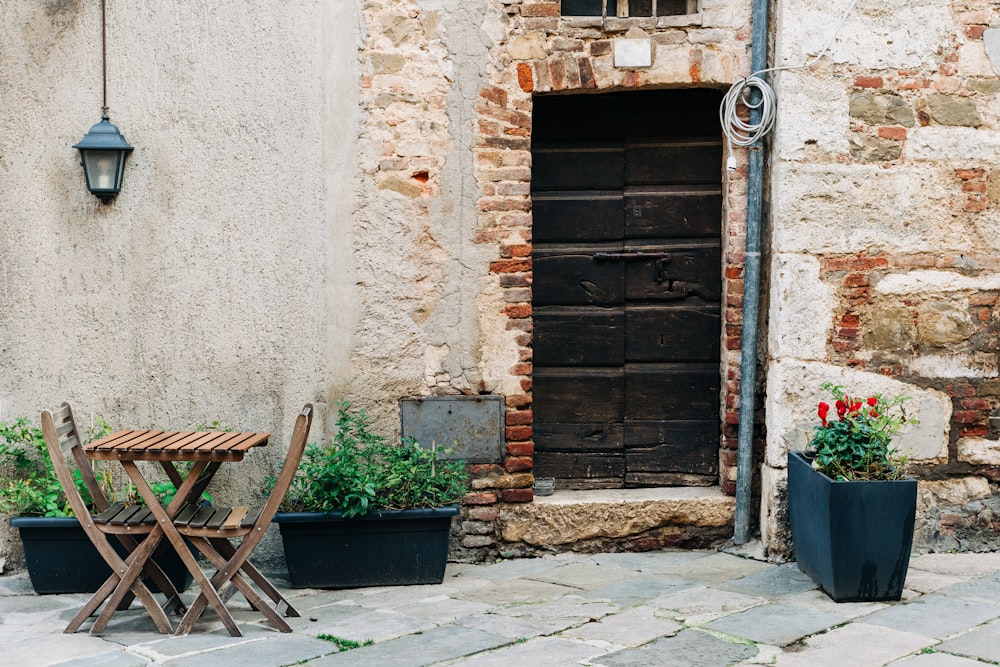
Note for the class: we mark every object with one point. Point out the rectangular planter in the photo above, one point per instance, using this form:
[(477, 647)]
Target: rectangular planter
[(60, 558), (852, 538), (389, 548)]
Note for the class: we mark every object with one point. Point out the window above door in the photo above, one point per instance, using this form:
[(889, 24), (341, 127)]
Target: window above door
[(629, 8)]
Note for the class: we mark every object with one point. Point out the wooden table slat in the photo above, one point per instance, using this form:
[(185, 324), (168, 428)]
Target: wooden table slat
[(118, 439), (257, 439)]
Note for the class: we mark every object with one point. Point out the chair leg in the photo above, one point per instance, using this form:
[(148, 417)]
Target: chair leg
[(226, 548), (129, 581)]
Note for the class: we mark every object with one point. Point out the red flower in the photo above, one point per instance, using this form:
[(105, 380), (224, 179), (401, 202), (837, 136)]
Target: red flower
[(824, 409), (872, 401), (841, 409)]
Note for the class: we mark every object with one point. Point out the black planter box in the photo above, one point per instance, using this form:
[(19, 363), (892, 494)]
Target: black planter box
[(61, 558), (852, 538), (389, 548)]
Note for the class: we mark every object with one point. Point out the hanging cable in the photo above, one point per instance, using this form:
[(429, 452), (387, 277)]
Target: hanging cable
[(743, 133)]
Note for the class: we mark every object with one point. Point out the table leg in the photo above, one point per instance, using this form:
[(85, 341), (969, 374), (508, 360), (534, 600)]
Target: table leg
[(164, 517)]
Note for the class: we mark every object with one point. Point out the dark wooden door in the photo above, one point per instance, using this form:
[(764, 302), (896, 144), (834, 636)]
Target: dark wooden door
[(626, 192)]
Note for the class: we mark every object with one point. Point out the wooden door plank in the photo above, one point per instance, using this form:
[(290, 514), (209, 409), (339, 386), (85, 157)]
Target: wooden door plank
[(566, 465), (578, 336), (673, 212), (637, 479), (595, 437), (692, 161), (577, 216), (578, 395), (690, 271), (672, 333), (578, 168), (571, 277), (672, 391)]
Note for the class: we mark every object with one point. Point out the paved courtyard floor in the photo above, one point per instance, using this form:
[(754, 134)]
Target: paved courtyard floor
[(684, 608)]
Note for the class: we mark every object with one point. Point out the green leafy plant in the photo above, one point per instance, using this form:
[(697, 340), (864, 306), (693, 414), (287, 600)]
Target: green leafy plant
[(362, 471), (344, 644), (855, 444), (29, 485)]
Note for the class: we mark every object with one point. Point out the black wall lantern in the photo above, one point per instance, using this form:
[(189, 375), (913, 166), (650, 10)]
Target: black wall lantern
[(102, 152), (103, 149)]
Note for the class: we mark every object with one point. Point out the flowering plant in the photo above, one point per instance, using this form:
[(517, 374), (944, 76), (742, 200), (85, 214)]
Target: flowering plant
[(854, 445)]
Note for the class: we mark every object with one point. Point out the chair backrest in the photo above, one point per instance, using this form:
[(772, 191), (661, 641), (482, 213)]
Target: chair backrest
[(290, 466), (62, 438)]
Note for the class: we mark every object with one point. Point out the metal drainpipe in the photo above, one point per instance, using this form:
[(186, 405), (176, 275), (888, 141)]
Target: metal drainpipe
[(751, 291)]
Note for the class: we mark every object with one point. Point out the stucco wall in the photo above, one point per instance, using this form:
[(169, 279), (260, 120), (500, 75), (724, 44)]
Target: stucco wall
[(219, 285)]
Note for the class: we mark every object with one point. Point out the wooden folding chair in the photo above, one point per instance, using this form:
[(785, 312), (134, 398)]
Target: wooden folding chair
[(211, 530), (62, 438)]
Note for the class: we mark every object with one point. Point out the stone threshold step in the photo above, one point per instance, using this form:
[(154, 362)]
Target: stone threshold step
[(667, 516)]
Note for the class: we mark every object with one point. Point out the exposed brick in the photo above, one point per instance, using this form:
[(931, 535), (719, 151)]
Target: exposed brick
[(868, 82), (483, 513), (968, 174), (525, 78), (974, 31), (856, 280), (850, 320), (521, 448), (510, 266), (977, 431), (480, 469), (518, 418), (558, 74), (974, 186), (914, 84), (540, 9), (975, 204), (600, 48), (518, 433), (975, 404), (517, 311), (514, 279), (586, 73), (892, 132), (495, 95), (485, 498), (520, 369), (517, 495), (966, 416), (854, 263), (518, 463)]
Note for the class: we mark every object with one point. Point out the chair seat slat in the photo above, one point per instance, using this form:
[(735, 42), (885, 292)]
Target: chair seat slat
[(218, 517), (141, 517), (203, 515), (186, 514), (106, 515), (123, 516), (235, 517), (252, 516)]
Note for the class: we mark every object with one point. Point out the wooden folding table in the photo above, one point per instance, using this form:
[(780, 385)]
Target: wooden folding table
[(206, 451)]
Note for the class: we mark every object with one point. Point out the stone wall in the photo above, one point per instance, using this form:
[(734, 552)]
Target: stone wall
[(885, 265)]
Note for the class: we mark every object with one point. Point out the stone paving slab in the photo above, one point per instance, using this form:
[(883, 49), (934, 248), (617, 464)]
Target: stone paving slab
[(934, 615), (437, 645), (649, 561), (982, 643), (778, 624), (581, 575), (690, 648), (937, 660), (630, 628), (772, 582), (700, 604), (856, 645), (639, 589), (543, 651), (276, 651), (697, 609)]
